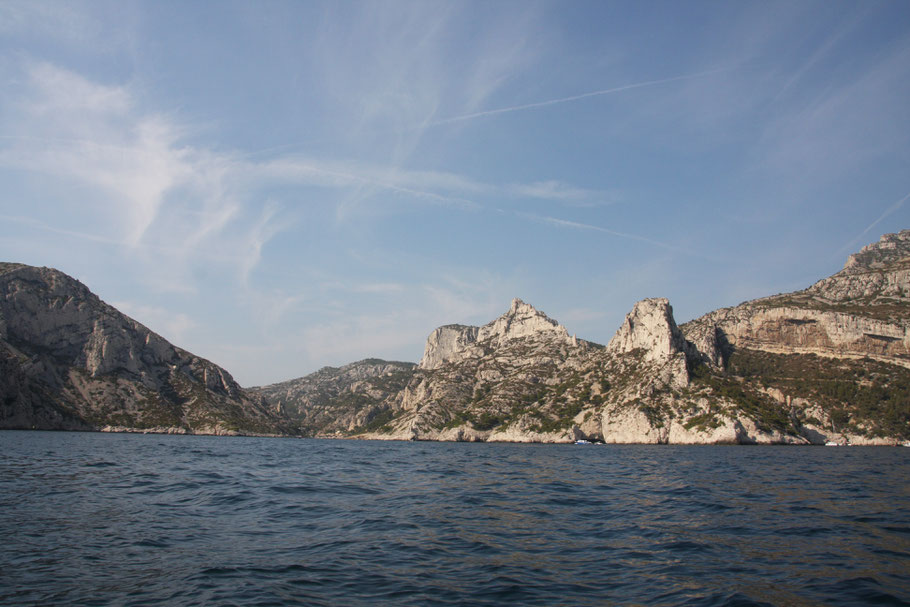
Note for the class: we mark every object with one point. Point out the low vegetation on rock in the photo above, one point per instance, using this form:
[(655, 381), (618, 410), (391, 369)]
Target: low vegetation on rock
[(829, 363)]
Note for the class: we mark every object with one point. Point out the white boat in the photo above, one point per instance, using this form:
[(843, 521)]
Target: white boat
[(582, 441)]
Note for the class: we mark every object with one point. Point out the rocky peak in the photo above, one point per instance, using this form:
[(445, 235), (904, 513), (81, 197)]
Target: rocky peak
[(890, 249), (878, 275), (522, 320), (649, 327), (449, 342)]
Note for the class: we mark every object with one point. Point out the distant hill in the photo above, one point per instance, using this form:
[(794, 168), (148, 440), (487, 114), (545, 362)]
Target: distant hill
[(69, 361), (337, 399)]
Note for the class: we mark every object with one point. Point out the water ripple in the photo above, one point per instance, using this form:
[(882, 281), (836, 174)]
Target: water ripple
[(99, 519)]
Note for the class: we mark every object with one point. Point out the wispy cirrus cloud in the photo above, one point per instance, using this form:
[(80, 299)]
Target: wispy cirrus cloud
[(561, 192), (156, 194), (68, 126)]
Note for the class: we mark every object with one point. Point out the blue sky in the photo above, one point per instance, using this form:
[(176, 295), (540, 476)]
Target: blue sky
[(279, 186)]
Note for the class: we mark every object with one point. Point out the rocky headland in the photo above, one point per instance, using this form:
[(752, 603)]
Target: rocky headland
[(828, 363)]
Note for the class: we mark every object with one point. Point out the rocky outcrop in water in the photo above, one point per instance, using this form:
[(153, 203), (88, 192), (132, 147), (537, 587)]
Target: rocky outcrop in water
[(69, 361)]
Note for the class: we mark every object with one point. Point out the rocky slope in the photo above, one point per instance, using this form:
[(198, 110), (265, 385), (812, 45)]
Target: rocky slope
[(337, 400), (827, 363), (69, 361), (862, 311), (835, 354)]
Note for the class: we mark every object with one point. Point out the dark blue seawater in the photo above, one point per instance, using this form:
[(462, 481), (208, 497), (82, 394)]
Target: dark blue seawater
[(106, 519)]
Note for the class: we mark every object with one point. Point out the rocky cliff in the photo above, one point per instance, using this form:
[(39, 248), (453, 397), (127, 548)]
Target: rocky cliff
[(69, 361), (827, 363), (830, 362), (834, 355), (338, 400), (514, 379), (859, 312)]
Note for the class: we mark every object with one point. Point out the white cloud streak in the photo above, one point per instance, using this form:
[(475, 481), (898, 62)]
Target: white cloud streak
[(549, 102), (891, 209), (584, 226)]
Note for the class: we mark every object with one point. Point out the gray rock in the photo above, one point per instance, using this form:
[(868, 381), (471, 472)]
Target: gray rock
[(70, 361)]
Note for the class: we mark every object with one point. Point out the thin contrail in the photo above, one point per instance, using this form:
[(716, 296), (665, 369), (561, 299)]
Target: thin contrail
[(894, 207), (538, 104), (586, 226), (504, 110)]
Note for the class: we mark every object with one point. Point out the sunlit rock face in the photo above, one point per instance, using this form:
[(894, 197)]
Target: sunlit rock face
[(649, 327), (451, 342), (749, 374), (859, 311), (447, 343)]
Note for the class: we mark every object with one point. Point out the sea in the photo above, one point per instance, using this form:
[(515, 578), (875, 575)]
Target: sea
[(133, 519)]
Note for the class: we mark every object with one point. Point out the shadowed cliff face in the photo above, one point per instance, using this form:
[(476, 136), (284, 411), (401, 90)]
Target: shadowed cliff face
[(70, 361)]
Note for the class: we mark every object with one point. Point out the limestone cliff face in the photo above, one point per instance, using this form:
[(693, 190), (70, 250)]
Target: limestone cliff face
[(453, 342), (510, 380), (522, 320), (797, 330), (831, 362), (70, 361), (649, 327), (861, 311), (891, 249), (446, 343), (826, 363)]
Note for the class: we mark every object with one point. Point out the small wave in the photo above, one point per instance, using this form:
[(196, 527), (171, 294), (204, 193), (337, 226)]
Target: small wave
[(725, 599), (292, 489), (101, 464), (685, 547), (151, 543)]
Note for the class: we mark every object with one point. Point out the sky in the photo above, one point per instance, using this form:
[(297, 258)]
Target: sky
[(280, 186)]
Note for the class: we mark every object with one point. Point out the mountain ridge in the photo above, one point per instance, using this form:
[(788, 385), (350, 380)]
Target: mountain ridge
[(828, 363), (752, 373)]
